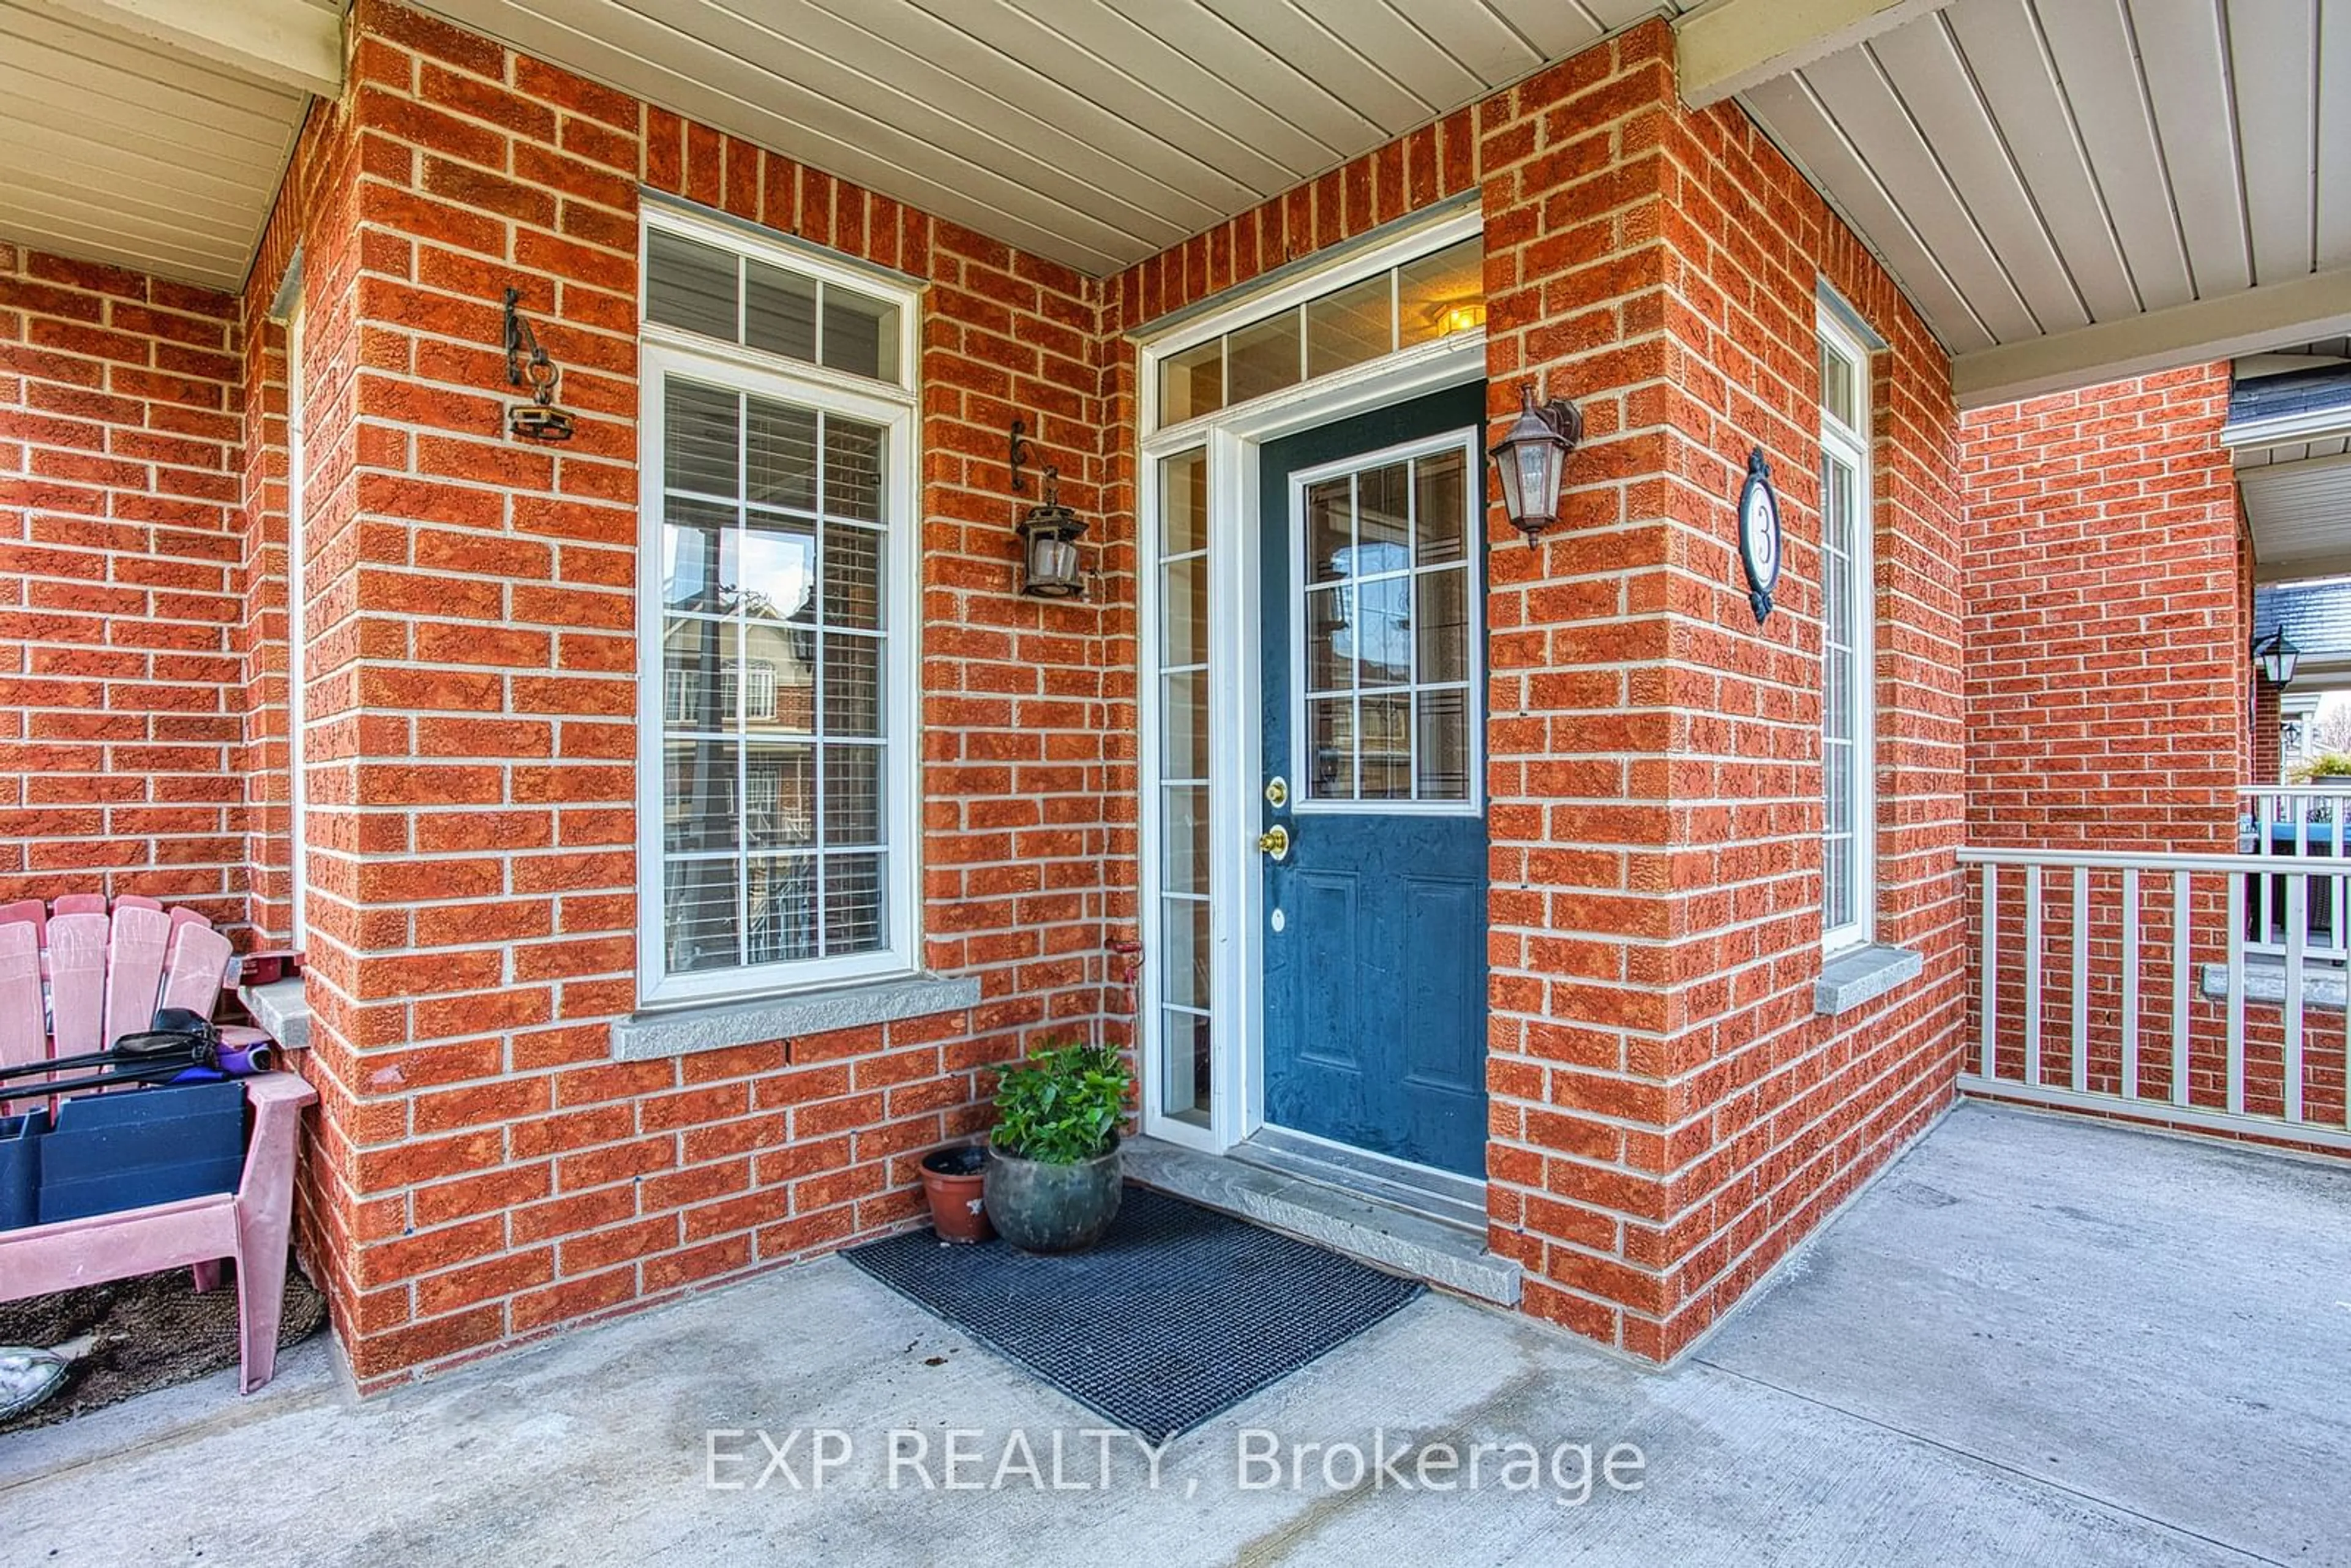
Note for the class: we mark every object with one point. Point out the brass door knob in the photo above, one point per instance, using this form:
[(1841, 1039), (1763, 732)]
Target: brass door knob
[(1275, 842)]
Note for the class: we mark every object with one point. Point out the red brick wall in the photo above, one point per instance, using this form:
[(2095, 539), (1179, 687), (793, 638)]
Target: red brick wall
[(1669, 1114), (1672, 1114), (2267, 745), (2108, 672), (483, 1171), (119, 439)]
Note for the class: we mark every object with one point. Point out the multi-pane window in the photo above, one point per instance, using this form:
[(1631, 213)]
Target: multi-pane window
[(1384, 594), (1847, 610), (1416, 302), (777, 757), (1184, 783)]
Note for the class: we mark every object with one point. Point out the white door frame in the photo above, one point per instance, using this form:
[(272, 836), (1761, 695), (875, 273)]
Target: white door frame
[(1235, 764)]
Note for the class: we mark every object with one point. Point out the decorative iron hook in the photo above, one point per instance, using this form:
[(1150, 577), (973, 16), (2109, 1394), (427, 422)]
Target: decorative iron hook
[(1017, 449), (527, 365)]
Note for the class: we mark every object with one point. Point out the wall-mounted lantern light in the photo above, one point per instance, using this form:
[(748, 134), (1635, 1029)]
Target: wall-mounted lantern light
[(1048, 533), (1529, 460), (527, 365), (2276, 656)]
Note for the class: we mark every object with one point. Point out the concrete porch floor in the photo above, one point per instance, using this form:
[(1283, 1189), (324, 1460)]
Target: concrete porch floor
[(2033, 1340)]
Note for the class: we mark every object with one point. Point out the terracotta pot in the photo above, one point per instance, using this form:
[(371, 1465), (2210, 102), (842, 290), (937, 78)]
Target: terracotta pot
[(1041, 1208), (954, 1180)]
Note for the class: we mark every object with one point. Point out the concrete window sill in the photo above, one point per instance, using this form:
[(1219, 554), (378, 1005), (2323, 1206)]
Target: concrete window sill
[(1850, 979), (683, 1032), (2322, 987), (282, 1008)]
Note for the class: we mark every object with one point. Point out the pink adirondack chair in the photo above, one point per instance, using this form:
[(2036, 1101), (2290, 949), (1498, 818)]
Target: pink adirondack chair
[(106, 977)]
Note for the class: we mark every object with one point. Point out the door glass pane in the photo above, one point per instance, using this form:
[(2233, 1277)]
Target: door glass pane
[(1441, 745), (1330, 750), (1440, 508), (1384, 765), (1382, 632), (1440, 624), (1349, 324), (1383, 519), (1262, 358), (1330, 529), (1838, 384), (1180, 956), (1396, 633), (1330, 652)]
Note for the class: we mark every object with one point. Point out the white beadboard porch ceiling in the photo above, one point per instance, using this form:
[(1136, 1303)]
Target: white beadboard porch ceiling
[(118, 145), (1094, 133), (2069, 190), (2294, 483), (2034, 168)]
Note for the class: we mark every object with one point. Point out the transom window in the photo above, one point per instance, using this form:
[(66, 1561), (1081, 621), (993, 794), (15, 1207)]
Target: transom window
[(778, 802), (718, 292), (1848, 765), (1418, 301), (1385, 550)]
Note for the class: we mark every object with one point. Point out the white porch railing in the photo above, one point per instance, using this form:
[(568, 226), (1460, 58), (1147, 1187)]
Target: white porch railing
[(2297, 820), (2127, 984)]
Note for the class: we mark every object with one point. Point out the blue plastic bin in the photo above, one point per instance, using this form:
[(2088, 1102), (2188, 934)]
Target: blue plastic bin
[(20, 1168), (140, 1146)]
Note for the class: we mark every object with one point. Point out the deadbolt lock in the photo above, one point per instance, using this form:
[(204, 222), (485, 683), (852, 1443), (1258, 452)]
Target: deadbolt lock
[(1276, 793), (1275, 842)]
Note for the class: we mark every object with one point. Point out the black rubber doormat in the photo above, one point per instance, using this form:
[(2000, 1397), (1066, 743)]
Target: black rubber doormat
[(1175, 1316)]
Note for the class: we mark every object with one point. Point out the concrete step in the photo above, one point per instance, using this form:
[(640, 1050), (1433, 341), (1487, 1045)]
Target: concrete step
[(1391, 1238)]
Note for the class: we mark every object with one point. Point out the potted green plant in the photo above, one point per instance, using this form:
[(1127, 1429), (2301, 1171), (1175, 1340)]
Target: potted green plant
[(1052, 1173)]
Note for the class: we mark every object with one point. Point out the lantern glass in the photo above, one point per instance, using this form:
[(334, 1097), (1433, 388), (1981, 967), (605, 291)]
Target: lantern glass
[(1053, 565), (1539, 469), (2278, 658)]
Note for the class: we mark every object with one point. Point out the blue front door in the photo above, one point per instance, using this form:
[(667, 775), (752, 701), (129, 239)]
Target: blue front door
[(1374, 948)]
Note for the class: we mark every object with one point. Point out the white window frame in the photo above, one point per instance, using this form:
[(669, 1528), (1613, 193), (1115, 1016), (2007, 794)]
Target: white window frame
[(297, 792), (1849, 444), (666, 352), (1229, 437)]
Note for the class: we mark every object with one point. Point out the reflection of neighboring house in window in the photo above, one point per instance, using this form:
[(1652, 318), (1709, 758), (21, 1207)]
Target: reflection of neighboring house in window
[(774, 676)]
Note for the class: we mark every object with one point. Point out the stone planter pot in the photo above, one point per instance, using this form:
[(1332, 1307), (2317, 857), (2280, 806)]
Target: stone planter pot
[(1041, 1208), (953, 1180)]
